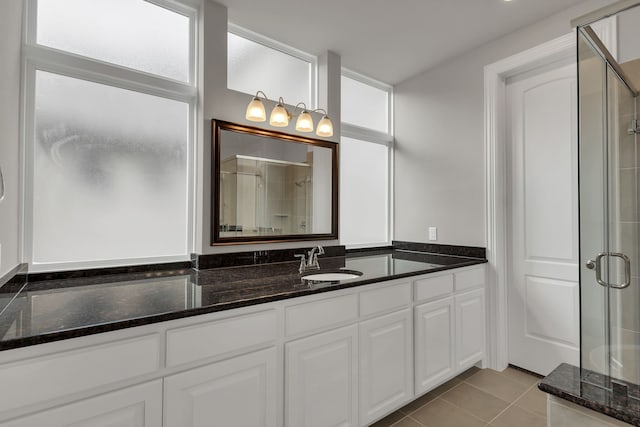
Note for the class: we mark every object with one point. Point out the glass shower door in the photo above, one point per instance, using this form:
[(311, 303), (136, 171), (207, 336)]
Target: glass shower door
[(608, 219), (622, 262), (593, 165)]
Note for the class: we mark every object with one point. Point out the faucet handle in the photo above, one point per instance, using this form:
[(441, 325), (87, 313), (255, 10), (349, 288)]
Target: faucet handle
[(303, 262)]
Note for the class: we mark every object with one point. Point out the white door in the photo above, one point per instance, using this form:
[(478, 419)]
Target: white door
[(435, 360), (136, 406), (321, 380), (543, 227), (386, 368), (470, 329), (241, 391)]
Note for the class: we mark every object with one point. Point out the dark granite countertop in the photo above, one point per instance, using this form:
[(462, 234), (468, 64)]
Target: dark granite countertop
[(566, 383), (51, 310)]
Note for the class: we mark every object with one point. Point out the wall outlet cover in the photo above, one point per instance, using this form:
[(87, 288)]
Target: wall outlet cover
[(433, 233)]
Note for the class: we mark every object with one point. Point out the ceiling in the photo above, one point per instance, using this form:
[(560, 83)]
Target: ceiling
[(389, 40)]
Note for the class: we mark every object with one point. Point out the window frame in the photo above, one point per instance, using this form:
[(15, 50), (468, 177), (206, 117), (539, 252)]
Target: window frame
[(363, 134), (348, 129), (287, 50), (37, 57)]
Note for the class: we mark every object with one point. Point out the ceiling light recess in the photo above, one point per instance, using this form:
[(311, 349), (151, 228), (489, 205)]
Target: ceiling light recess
[(280, 116)]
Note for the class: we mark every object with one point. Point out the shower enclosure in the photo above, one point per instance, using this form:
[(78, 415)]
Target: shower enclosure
[(609, 220)]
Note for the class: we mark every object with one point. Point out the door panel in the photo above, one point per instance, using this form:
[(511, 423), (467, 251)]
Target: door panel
[(386, 371), (557, 325), (470, 330), (238, 391), (594, 302), (321, 379), (435, 359), (543, 233)]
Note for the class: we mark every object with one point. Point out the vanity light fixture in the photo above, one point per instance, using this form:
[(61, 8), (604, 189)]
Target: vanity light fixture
[(280, 116)]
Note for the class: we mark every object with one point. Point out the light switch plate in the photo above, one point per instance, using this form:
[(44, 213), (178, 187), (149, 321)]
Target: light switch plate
[(433, 233)]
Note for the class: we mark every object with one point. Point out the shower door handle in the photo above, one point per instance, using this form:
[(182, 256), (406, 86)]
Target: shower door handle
[(596, 264), (627, 270)]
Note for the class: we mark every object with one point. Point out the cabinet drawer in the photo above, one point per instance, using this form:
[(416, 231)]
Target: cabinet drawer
[(139, 406), (219, 337), (385, 299), (320, 314), (469, 279), (53, 376), (432, 287)]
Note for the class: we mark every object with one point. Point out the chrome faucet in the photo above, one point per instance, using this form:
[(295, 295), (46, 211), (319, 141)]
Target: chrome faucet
[(310, 262)]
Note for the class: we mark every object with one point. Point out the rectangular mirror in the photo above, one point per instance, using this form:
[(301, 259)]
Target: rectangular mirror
[(269, 186)]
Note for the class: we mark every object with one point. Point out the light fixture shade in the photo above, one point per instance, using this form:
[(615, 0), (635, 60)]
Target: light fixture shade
[(279, 116), (325, 127), (256, 111), (304, 122)]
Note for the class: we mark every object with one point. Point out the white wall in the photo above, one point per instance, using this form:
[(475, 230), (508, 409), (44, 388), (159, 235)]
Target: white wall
[(221, 103), (10, 41), (439, 130)]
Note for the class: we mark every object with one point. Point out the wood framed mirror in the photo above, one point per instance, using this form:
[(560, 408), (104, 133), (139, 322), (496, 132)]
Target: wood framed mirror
[(269, 186)]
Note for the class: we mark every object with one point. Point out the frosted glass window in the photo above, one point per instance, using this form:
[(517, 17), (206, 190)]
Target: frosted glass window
[(110, 173), (252, 67), (364, 192), (364, 105), (132, 33)]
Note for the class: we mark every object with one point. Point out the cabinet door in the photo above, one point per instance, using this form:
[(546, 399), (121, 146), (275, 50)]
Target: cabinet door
[(321, 379), (137, 406), (434, 351), (386, 372), (470, 329), (241, 391)]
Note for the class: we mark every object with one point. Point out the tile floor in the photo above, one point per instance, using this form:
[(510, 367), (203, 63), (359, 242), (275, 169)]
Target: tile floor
[(477, 397)]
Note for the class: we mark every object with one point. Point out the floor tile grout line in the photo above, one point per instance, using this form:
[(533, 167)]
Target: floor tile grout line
[(525, 409), (413, 419), (529, 387), (440, 395), (435, 397), (491, 394), (512, 379), (514, 404), (503, 376), (462, 409), (405, 417)]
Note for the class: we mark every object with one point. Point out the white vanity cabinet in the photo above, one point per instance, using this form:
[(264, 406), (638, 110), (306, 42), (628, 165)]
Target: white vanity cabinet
[(238, 391), (342, 358)]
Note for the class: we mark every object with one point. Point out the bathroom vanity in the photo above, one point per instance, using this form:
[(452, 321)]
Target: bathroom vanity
[(246, 346)]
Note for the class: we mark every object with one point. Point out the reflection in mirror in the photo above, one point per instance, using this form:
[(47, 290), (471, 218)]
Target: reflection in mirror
[(270, 186), (1, 185)]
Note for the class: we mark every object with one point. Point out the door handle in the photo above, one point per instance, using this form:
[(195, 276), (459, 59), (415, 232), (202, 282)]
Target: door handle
[(596, 264), (627, 270)]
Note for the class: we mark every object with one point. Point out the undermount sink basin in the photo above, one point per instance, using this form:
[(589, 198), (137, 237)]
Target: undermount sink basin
[(335, 276)]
